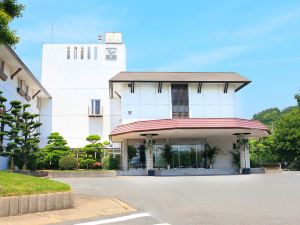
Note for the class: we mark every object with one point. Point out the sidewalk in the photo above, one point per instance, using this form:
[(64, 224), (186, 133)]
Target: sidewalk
[(85, 207)]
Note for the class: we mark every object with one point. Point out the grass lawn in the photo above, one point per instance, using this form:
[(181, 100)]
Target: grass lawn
[(17, 184)]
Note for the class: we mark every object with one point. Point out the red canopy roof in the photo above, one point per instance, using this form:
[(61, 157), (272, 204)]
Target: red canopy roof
[(189, 123)]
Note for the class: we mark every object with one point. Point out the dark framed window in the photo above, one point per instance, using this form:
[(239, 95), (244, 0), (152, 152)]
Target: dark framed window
[(95, 107), (180, 100)]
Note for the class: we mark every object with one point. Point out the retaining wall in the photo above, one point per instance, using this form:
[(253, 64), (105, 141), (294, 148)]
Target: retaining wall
[(18, 205), (57, 174), (258, 170)]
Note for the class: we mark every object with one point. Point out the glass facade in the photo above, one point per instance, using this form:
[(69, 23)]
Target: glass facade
[(184, 156)]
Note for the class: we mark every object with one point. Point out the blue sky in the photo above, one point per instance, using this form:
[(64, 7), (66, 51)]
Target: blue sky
[(258, 39)]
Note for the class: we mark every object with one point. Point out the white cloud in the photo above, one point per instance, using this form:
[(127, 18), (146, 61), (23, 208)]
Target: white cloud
[(197, 61), (269, 24)]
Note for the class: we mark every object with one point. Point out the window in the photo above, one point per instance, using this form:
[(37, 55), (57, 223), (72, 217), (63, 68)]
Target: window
[(89, 53), (75, 53), (68, 52), (27, 90), (95, 108), (180, 101), (82, 53), (95, 52)]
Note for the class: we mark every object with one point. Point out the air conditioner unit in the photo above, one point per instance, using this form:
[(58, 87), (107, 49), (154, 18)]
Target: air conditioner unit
[(95, 108)]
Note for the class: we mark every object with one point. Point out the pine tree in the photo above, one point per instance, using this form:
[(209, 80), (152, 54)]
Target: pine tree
[(56, 148), (22, 133)]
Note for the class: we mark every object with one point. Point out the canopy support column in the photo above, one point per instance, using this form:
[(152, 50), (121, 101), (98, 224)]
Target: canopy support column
[(243, 144), (149, 152), (124, 155)]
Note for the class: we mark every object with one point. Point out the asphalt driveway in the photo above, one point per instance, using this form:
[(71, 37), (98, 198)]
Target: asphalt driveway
[(221, 200)]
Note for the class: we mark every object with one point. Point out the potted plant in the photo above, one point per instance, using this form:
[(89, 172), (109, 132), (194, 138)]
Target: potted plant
[(210, 154), (167, 153)]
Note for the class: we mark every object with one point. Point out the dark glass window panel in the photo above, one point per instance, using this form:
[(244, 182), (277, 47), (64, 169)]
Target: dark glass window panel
[(180, 101), (97, 107)]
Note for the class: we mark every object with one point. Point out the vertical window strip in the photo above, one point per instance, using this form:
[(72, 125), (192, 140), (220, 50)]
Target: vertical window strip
[(68, 52), (82, 53), (89, 53), (95, 52), (75, 52)]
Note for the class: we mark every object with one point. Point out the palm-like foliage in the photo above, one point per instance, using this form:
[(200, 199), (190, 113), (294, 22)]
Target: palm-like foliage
[(167, 153), (211, 153)]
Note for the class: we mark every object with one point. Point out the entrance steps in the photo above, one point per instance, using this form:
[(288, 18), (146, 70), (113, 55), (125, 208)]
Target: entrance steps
[(194, 172), (179, 172), (132, 172)]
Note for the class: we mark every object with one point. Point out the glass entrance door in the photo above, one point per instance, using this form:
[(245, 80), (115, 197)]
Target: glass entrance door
[(188, 156)]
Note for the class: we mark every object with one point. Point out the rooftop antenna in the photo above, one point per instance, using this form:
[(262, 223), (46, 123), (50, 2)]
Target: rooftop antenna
[(100, 38)]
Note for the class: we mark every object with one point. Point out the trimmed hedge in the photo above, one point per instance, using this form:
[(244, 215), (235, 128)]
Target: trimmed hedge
[(110, 163), (68, 163)]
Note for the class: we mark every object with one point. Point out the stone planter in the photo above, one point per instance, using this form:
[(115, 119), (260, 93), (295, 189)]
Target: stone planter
[(4, 162), (19, 205)]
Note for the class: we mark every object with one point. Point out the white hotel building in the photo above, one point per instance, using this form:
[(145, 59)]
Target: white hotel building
[(90, 92)]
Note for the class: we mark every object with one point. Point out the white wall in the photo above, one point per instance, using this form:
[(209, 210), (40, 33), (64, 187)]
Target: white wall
[(72, 84), (212, 102), (9, 88), (224, 156), (146, 103)]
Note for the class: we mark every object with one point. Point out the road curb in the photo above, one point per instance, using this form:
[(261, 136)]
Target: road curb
[(19, 205)]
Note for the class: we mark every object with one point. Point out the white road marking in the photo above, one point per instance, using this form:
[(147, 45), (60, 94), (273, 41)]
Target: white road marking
[(117, 219)]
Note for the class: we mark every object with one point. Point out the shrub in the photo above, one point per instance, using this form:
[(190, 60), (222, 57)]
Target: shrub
[(68, 163), (110, 163), (97, 165), (87, 163), (295, 165)]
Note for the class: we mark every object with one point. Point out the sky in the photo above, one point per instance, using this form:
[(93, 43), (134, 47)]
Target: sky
[(257, 39)]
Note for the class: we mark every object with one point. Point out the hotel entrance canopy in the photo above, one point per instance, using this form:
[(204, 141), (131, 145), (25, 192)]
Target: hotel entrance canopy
[(189, 128)]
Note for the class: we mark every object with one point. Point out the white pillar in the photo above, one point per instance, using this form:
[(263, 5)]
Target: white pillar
[(124, 155), (149, 152), (244, 152)]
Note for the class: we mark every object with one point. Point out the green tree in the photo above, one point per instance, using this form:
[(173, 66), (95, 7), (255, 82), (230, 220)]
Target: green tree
[(282, 145), (55, 149), (268, 116), (4, 119), (297, 97), (262, 151), (94, 149), (93, 152), (287, 137), (22, 133), (9, 10)]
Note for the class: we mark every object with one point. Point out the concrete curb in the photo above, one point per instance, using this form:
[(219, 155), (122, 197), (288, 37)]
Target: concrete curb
[(19, 205)]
